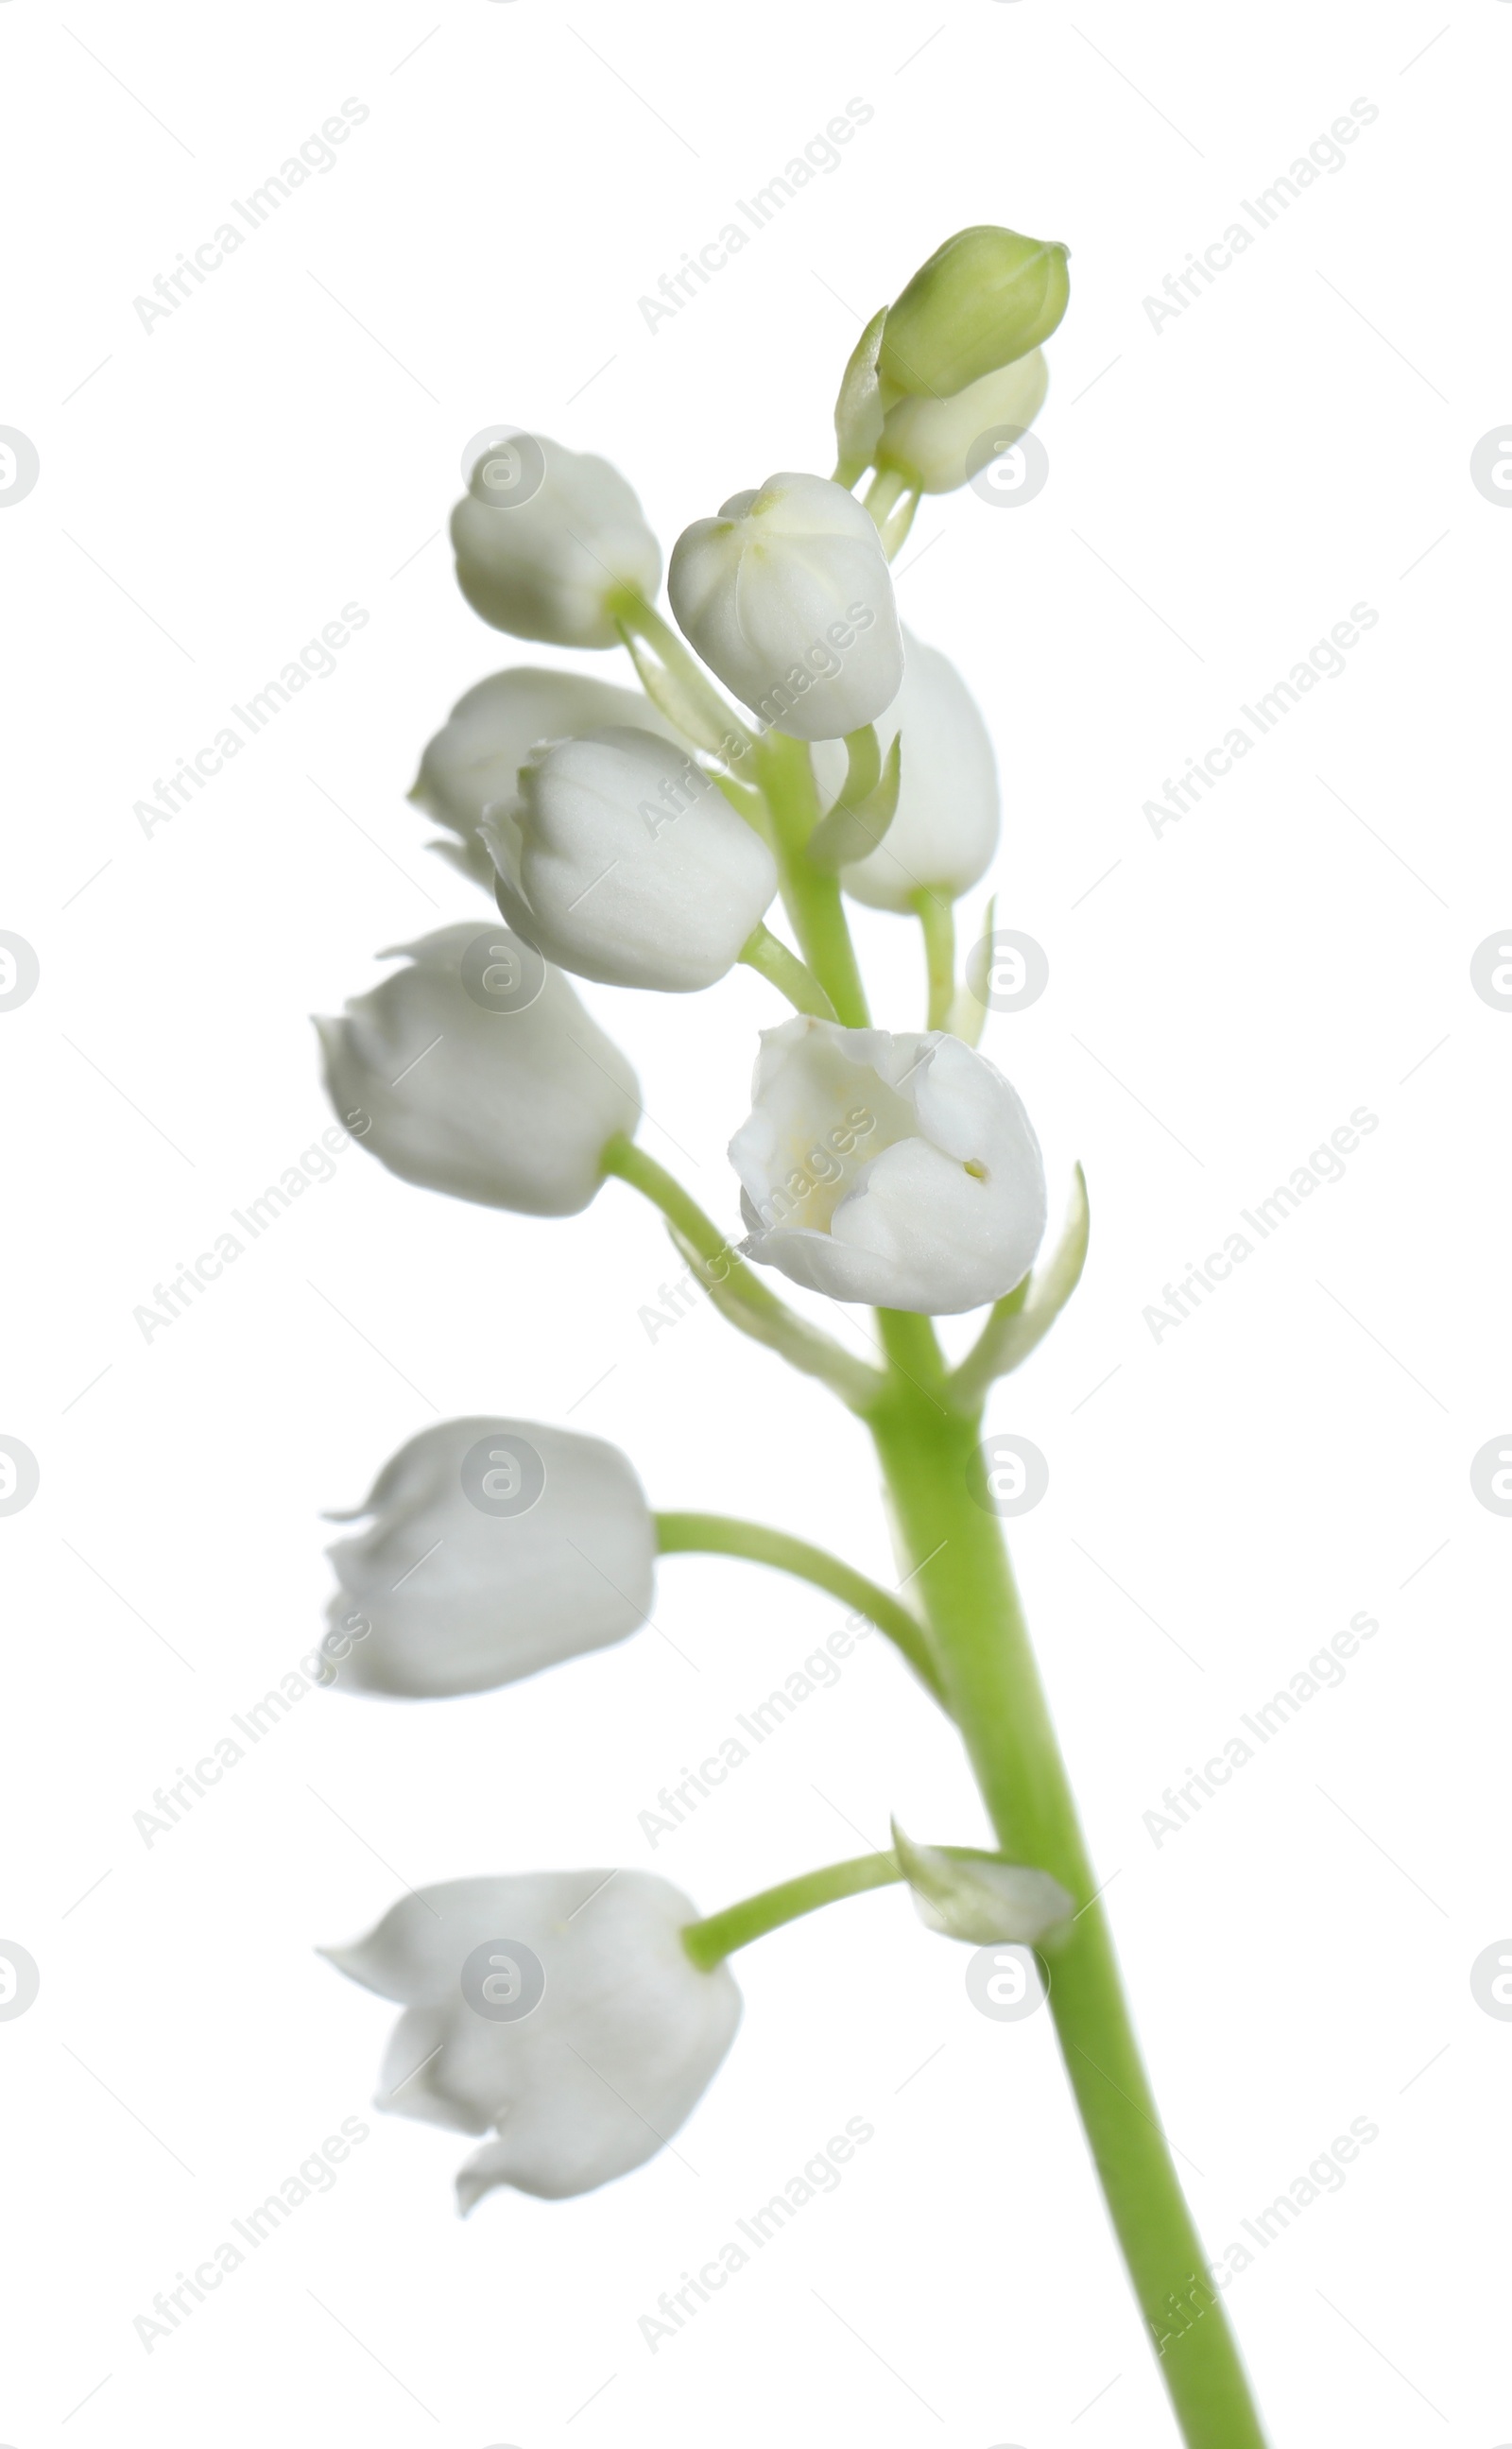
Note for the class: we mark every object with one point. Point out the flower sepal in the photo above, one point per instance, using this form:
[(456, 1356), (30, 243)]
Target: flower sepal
[(854, 828), (979, 1897)]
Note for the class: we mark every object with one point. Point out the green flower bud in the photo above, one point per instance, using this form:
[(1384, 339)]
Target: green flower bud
[(985, 297)]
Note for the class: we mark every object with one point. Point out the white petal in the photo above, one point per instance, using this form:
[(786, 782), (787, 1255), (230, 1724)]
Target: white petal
[(510, 1109), (603, 2072), (439, 1596)]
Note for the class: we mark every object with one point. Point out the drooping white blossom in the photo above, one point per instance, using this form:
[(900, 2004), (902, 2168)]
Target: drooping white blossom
[(787, 597), (493, 1548), (544, 556), (471, 768), (506, 1094), (557, 2011), (900, 1170)]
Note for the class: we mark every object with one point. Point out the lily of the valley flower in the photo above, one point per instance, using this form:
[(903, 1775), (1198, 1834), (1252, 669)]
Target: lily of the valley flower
[(624, 862), (471, 766), (547, 563), (985, 297), (930, 441), (607, 2056), (495, 1086), (495, 1547), (899, 1170), (787, 597), (945, 829)]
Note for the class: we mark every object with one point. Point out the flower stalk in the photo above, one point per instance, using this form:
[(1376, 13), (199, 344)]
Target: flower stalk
[(992, 1690), (573, 2018)]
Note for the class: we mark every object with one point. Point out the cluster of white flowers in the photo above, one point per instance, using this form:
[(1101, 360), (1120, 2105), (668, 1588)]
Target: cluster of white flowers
[(640, 839)]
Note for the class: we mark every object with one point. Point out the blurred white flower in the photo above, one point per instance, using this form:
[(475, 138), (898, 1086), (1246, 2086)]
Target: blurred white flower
[(945, 829), (495, 1547), (900, 1170), (624, 862), (471, 766), (477, 1071), (544, 554), (560, 2009), (787, 597)]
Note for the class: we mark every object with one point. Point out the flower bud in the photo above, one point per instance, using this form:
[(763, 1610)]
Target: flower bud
[(900, 1170), (928, 441), (624, 862), (477, 1071), (945, 829), (473, 764), (543, 558), (787, 597), (495, 1547), (559, 2008), (986, 297)]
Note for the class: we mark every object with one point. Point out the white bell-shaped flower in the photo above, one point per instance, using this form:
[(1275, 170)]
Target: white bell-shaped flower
[(476, 1070), (471, 767), (945, 833), (545, 538), (623, 861), (899, 1170), (493, 1548), (787, 597), (559, 2009)]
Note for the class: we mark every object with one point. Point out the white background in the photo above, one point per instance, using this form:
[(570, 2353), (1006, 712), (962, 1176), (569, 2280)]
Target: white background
[(1222, 491)]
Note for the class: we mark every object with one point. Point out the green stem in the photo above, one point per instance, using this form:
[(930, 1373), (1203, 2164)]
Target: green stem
[(899, 521), (719, 1935), (768, 955), (676, 683), (887, 487), (993, 1690), (721, 1534), (863, 770), (735, 1288), (811, 897), (937, 918)]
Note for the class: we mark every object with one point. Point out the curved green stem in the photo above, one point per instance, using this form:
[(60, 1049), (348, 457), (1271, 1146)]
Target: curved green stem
[(992, 1686), (887, 487), (898, 522), (735, 1288), (722, 1534), (937, 918), (768, 955), (811, 897), (719, 1935), (863, 770), (677, 685)]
